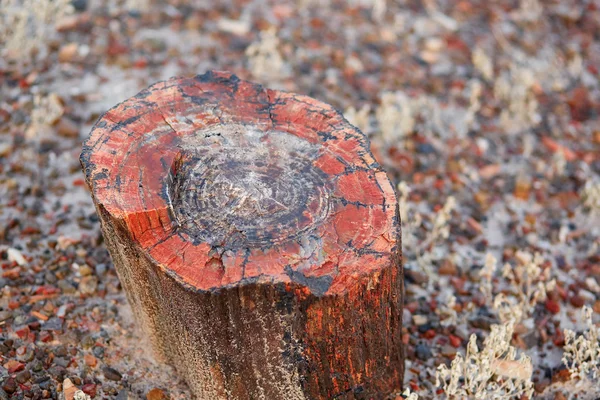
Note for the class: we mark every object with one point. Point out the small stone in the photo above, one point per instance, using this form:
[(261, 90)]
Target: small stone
[(112, 374), (596, 307), (423, 352), (89, 389), (592, 285), (62, 362), (4, 315), (430, 57), (69, 389), (66, 23), (80, 5), (482, 322), (419, 320), (577, 301), (67, 53), (540, 387), (85, 270), (62, 311), (23, 376), (25, 354), (14, 366), (455, 341), (448, 351), (13, 273), (64, 242), (237, 27), (448, 268), (3, 394), (88, 284), (5, 149), (98, 351), (559, 396), (66, 287), (53, 324), (67, 128), (37, 366), (156, 394), (552, 306), (434, 44), (412, 276), (57, 372), (123, 395), (100, 269), (10, 386), (90, 360), (15, 255), (562, 375)]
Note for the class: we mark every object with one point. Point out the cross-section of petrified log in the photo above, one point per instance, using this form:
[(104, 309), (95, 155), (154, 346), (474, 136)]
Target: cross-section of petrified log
[(256, 237)]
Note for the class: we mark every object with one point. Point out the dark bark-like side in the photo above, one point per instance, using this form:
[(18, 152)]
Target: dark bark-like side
[(256, 238)]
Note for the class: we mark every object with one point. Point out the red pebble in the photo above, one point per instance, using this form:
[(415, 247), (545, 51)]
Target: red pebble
[(22, 332), (429, 334), (14, 366), (13, 273), (47, 289), (45, 336), (89, 389), (552, 306), (559, 338), (455, 341)]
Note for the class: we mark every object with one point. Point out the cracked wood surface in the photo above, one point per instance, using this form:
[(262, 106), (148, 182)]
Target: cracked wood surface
[(256, 237)]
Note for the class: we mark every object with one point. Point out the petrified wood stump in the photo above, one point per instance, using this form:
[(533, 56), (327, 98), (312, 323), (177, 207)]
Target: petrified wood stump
[(256, 237)]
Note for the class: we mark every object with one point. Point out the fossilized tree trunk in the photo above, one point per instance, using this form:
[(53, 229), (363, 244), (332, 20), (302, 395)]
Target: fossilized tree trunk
[(256, 237)]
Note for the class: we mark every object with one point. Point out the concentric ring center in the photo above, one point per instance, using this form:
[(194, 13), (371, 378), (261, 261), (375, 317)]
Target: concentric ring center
[(235, 186)]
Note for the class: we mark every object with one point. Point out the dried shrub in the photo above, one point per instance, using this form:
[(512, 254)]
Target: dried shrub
[(495, 372), (582, 352), (264, 59), (26, 26), (527, 284), (590, 194)]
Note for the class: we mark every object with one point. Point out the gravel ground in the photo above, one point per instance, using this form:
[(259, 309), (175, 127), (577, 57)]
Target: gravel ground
[(486, 114)]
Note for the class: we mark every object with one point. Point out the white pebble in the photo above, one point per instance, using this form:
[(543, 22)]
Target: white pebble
[(16, 256)]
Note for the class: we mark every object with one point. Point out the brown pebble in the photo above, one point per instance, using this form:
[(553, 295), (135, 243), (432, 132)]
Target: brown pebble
[(69, 389), (156, 394), (67, 53), (67, 128), (577, 301), (23, 376), (112, 374), (66, 23), (561, 376), (90, 360), (596, 307), (10, 386), (489, 171), (417, 277), (559, 396), (447, 268), (541, 386)]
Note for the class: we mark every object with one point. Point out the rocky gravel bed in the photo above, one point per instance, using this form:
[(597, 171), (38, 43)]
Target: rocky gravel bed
[(485, 114)]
